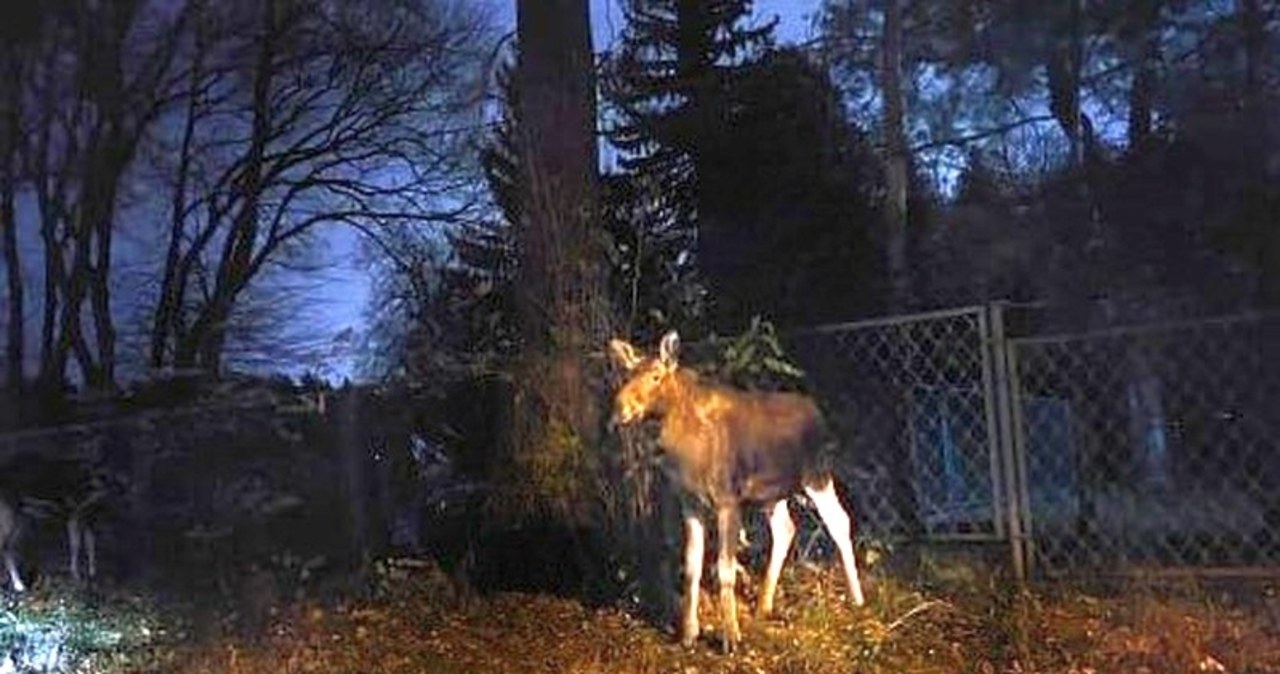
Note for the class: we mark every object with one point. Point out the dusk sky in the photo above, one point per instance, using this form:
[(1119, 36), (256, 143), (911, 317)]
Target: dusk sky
[(344, 300)]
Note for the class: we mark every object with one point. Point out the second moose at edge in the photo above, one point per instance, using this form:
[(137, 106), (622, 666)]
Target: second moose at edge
[(734, 448)]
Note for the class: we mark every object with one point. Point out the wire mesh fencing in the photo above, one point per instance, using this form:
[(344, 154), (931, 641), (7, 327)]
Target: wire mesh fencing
[(1151, 447), (1126, 449), (912, 401)]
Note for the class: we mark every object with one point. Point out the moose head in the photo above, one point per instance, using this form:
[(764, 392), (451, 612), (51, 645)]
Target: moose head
[(650, 378)]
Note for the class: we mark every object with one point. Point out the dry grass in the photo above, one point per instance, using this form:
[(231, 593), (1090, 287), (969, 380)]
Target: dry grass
[(967, 628)]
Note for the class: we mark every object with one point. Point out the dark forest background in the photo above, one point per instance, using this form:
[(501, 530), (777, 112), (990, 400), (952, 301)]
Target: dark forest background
[(170, 170)]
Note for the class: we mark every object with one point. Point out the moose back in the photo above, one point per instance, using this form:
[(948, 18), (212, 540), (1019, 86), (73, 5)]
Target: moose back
[(734, 448)]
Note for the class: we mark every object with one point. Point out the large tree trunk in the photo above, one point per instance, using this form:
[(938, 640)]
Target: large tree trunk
[(562, 303), (897, 161)]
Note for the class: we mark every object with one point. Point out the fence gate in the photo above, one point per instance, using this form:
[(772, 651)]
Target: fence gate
[(1133, 449), (915, 400)]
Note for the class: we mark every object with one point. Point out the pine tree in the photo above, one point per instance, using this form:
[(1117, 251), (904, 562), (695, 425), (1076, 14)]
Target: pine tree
[(671, 87)]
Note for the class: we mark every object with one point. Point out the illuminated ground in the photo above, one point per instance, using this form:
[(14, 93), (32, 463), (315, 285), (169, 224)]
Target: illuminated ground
[(423, 626)]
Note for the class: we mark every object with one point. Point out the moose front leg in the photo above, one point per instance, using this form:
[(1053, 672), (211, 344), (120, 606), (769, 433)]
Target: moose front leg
[(695, 536), (727, 570)]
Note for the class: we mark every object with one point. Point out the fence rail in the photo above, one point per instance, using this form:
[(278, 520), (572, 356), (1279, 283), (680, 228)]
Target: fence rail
[(909, 398), (1141, 447), (1151, 447)]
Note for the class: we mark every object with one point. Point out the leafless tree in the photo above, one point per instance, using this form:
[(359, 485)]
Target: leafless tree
[(301, 114), (88, 79)]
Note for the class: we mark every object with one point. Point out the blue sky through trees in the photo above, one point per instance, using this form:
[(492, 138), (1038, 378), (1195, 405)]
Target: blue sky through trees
[(341, 307)]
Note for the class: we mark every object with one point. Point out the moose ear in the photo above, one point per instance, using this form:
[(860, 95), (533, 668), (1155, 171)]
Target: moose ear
[(624, 354), (668, 347)]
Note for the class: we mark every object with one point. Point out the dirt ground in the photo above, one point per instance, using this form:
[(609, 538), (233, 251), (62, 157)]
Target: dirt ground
[(974, 626)]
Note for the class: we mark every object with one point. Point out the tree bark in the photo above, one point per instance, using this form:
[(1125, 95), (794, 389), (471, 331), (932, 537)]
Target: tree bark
[(562, 302), (173, 282), (204, 343), (16, 331), (1145, 45), (897, 162), (1258, 206)]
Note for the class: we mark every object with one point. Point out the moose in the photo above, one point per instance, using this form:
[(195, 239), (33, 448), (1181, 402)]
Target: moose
[(733, 448)]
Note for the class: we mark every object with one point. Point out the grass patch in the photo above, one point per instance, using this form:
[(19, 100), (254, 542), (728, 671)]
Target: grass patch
[(61, 629), (934, 621)]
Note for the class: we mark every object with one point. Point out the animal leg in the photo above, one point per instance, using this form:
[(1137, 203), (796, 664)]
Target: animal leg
[(8, 540), (11, 565), (727, 568), (75, 540), (91, 550), (839, 526), (695, 535), (782, 531)]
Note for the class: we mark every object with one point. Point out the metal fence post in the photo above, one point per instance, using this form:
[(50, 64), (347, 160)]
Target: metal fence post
[(1021, 485), (1010, 484), (990, 419)]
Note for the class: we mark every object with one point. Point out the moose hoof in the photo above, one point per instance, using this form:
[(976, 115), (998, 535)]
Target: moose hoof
[(689, 636), (729, 639)]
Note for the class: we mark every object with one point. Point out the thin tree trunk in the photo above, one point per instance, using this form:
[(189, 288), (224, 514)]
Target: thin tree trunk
[(897, 161), (1146, 47), (14, 351), (1066, 63), (51, 204), (16, 333), (77, 285), (207, 338), (1256, 202), (173, 283), (100, 278)]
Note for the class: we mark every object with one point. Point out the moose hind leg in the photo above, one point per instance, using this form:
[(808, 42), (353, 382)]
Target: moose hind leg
[(782, 531), (695, 536), (840, 527), (727, 568)]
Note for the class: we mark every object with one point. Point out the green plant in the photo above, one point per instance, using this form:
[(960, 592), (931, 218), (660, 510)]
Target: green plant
[(755, 359)]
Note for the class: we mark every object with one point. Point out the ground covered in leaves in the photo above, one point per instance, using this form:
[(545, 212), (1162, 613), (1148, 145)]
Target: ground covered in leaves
[(906, 628), (422, 623)]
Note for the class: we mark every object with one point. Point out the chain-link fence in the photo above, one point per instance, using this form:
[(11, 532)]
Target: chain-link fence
[(912, 399), (1151, 446), (1114, 450)]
